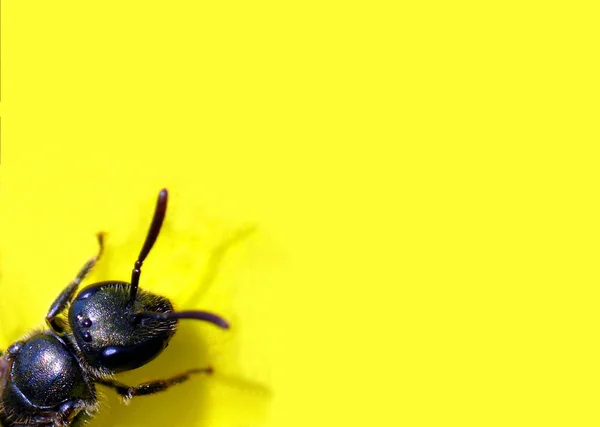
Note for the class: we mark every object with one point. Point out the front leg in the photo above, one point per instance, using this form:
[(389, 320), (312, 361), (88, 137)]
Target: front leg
[(151, 387), (64, 416), (67, 295)]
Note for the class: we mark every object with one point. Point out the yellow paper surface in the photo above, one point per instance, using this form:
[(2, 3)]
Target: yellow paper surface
[(394, 203)]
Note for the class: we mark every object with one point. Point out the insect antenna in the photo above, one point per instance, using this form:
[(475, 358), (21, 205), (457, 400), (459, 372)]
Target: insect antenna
[(153, 231), (196, 315)]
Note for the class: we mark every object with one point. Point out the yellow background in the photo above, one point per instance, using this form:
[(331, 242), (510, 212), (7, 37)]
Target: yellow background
[(421, 179)]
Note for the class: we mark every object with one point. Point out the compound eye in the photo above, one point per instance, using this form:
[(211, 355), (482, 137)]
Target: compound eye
[(121, 358)]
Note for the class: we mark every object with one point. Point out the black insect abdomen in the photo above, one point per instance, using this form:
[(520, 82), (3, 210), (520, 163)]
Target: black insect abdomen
[(47, 373), (42, 384)]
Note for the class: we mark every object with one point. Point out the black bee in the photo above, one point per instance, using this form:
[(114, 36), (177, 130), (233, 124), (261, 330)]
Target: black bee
[(48, 378)]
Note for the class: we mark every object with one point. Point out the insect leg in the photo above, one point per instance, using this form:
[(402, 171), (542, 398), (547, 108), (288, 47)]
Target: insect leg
[(61, 417), (151, 387), (67, 295)]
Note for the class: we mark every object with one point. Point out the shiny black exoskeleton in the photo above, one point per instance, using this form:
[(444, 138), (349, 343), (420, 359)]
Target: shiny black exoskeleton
[(49, 377)]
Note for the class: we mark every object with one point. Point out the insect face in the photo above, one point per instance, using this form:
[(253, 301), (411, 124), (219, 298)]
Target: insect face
[(109, 334)]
